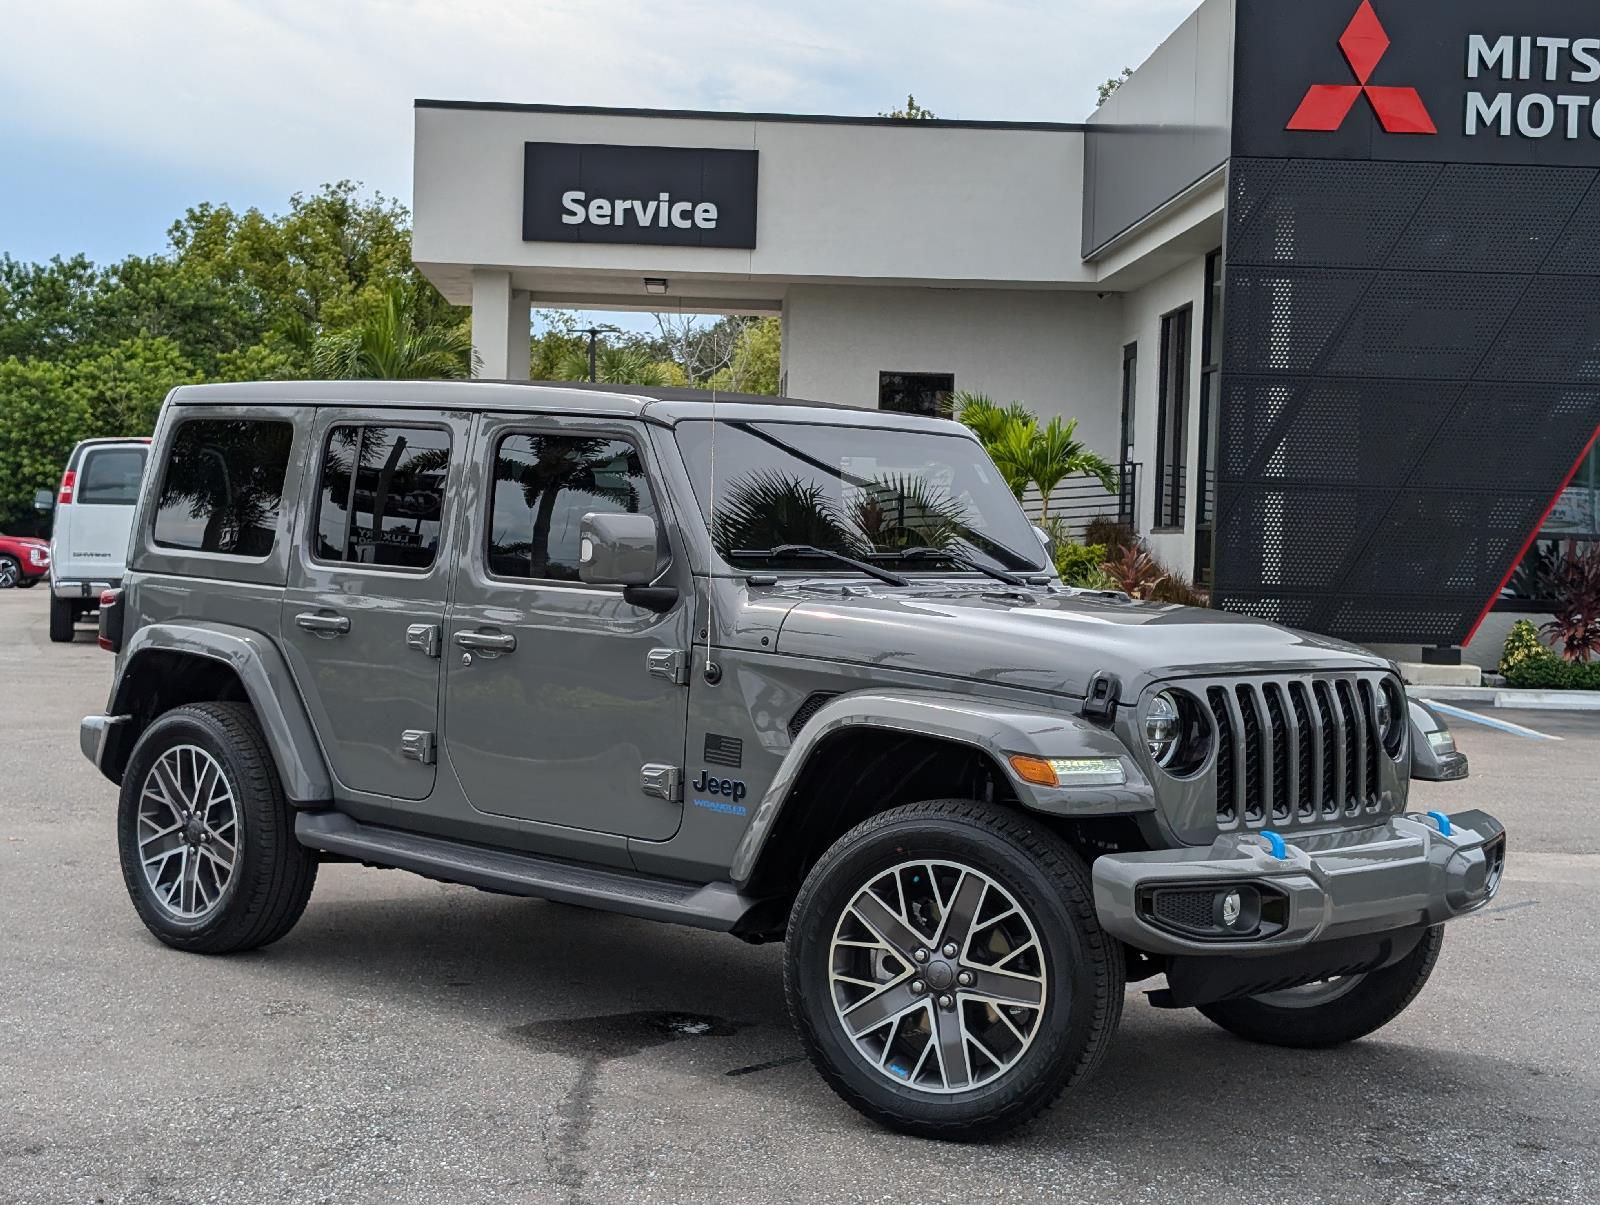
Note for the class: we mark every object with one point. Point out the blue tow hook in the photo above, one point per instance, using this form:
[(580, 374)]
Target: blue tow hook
[(1274, 843), (1443, 821)]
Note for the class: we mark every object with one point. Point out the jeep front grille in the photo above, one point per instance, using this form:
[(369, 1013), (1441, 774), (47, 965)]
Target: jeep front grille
[(1295, 750)]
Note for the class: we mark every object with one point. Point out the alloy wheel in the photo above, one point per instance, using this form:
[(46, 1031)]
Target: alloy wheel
[(10, 573), (188, 832), (938, 976)]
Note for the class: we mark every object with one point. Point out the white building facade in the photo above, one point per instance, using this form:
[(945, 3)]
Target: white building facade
[(907, 259)]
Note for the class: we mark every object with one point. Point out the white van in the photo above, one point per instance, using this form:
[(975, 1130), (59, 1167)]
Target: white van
[(93, 516)]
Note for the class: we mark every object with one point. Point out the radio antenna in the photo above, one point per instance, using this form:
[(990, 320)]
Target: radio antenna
[(711, 530)]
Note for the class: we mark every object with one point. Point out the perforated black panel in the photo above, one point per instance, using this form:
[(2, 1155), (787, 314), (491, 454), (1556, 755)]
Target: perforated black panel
[(1411, 364)]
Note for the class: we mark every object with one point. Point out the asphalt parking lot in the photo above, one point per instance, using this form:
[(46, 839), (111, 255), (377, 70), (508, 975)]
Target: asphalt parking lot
[(414, 1041)]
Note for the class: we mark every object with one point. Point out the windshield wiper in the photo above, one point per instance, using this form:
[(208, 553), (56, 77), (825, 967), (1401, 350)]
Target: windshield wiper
[(811, 550), (955, 558)]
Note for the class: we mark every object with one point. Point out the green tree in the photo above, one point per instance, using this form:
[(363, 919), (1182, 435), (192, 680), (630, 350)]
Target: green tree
[(126, 384), (614, 365), (395, 342), (912, 111), (43, 413), (757, 365), (1109, 86)]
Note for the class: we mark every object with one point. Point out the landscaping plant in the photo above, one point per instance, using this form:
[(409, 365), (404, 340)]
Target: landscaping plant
[(1575, 585)]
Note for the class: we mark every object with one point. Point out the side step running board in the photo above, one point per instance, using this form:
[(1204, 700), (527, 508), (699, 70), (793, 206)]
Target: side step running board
[(716, 906)]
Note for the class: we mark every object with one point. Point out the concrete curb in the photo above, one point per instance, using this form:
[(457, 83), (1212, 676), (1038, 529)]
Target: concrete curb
[(1503, 696)]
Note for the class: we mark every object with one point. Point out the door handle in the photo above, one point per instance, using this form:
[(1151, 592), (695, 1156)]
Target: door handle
[(487, 642), (323, 625)]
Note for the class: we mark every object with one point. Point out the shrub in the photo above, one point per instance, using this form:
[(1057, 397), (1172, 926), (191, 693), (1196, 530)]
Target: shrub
[(1136, 572), (1116, 535), (1526, 663), (1079, 564), (1175, 588), (1575, 584)]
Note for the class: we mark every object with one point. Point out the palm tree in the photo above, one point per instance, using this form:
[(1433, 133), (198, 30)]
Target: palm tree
[(390, 344), (987, 419), (613, 366), (1057, 453)]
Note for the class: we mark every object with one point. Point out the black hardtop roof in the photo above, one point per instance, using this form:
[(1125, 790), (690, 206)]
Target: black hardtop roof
[(662, 404)]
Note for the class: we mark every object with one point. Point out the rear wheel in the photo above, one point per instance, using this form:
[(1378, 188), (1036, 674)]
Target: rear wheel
[(207, 841), (63, 620), (1333, 1011), (10, 572), (946, 971)]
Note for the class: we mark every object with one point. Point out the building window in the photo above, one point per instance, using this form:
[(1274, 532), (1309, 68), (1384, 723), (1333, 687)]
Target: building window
[(1130, 394), (916, 392), (381, 495), (1575, 516), (223, 487), (1210, 376), (1172, 418), (544, 485)]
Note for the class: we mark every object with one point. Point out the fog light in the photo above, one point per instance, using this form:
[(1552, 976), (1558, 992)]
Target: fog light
[(1232, 906), (1069, 771), (1236, 909)]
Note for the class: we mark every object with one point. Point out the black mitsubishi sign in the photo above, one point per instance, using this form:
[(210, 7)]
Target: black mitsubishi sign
[(1469, 81), (665, 196)]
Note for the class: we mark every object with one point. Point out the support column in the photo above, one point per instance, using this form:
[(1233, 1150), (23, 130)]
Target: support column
[(500, 327)]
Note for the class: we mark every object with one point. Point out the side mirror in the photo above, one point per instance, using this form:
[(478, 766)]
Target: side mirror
[(620, 550), (1434, 757), (44, 501), (1044, 538)]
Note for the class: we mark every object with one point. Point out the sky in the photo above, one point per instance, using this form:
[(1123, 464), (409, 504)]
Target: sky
[(115, 115)]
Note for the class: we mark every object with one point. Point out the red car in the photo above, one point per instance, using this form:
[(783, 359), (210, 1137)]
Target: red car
[(24, 560)]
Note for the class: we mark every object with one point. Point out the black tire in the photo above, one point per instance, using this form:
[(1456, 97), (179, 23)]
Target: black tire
[(63, 620), (273, 873), (27, 583), (1375, 1000), (1083, 969), (10, 571)]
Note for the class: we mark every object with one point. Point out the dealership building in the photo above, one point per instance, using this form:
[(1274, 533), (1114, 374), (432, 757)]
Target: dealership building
[(1323, 275)]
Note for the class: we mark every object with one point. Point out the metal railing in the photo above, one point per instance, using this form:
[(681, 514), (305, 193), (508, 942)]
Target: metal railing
[(1080, 499)]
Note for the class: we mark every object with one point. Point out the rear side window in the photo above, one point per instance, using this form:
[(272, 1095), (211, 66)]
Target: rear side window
[(223, 486), (111, 477), (381, 495), (544, 485)]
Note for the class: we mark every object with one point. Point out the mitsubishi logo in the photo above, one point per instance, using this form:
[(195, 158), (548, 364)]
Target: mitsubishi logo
[(1399, 110)]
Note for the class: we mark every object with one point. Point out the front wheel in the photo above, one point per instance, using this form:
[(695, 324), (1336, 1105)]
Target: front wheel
[(1333, 1011), (946, 971), (10, 572)]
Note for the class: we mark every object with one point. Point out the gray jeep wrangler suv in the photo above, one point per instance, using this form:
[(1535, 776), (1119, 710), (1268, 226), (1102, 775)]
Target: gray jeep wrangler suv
[(789, 671)]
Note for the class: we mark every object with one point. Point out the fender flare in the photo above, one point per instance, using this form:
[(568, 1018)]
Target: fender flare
[(267, 683), (991, 726)]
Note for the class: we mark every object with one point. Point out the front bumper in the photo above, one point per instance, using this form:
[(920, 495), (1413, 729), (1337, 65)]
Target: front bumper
[(1406, 872)]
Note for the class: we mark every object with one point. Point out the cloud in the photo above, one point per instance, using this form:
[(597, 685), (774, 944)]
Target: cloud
[(291, 93)]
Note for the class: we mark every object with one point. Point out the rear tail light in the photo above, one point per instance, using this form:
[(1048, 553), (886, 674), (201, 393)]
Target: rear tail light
[(69, 479), (110, 637)]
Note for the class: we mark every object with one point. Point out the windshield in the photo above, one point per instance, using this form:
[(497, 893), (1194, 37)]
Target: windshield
[(866, 493)]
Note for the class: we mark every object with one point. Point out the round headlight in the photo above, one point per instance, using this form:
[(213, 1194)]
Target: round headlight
[(1390, 712), (1163, 726)]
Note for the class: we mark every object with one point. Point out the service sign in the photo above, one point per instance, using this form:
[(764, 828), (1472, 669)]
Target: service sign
[(1463, 81), (663, 196)]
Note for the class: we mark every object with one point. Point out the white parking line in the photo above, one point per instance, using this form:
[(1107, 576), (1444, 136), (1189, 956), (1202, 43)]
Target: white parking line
[(1490, 722)]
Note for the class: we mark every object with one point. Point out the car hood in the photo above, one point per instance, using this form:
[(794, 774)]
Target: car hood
[(25, 541), (1053, 642)]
